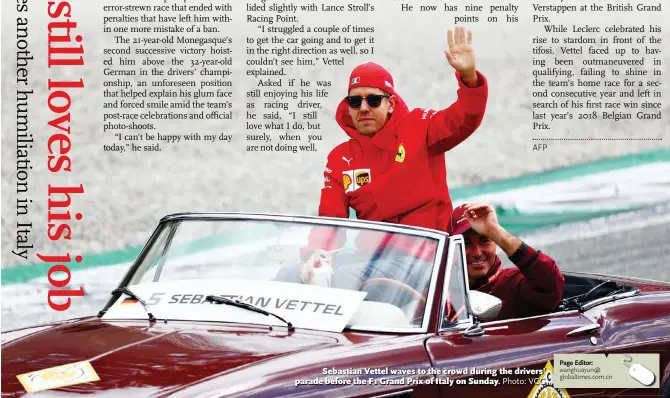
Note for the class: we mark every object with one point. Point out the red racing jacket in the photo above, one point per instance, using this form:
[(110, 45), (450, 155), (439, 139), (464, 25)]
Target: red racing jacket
[(398, 175), (534, 287)]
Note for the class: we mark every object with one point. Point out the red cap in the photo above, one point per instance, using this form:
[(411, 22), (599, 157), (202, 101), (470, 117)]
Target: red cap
[(458, 224), (371, 75)]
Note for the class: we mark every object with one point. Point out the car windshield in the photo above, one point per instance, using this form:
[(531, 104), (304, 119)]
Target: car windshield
[(260, 262)]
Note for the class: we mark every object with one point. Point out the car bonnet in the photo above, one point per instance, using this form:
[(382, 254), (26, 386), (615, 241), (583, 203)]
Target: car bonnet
[(137, 356)]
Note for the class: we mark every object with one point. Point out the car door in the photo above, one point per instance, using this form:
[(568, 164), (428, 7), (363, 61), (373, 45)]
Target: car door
[(632, 325), (499, 357)]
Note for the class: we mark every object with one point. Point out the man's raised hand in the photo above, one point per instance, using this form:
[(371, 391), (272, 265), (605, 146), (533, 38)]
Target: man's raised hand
[(482, 218), (460, 55)]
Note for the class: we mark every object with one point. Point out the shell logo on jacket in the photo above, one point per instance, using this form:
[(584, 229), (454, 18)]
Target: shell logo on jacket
[(355, 179), (346, 181)]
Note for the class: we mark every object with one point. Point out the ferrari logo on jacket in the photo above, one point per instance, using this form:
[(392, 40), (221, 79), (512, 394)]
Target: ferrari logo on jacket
[(354, 179), (400, 154)]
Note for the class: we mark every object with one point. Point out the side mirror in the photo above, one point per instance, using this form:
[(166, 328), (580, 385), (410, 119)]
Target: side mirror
[(484, 306)]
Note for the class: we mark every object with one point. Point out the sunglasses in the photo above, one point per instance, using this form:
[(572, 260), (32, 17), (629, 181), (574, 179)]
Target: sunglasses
[(374, 100)]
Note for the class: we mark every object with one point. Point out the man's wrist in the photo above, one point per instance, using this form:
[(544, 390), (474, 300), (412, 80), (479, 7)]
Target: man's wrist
[(470, 79), (506, 241), (524, 256)]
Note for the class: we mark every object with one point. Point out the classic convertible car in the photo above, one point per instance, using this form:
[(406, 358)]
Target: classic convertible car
[(214, 307)]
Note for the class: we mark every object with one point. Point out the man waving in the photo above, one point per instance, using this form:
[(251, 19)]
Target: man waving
[(534, 287), (392, 168)]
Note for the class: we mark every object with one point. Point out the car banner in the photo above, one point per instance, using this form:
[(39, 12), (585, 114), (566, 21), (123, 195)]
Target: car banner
[(305, 306)]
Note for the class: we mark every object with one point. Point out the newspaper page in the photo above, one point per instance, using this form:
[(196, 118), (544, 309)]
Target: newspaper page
[(151, 142)]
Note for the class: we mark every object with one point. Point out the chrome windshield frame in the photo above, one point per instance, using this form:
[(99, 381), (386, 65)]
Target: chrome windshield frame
[(441, 238), (453, 241)]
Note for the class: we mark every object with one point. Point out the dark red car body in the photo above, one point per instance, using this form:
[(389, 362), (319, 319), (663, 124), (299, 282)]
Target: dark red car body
[(212, 359)]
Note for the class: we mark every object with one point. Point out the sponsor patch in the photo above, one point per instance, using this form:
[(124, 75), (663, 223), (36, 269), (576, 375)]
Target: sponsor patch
[(347, 180), (426, 111), (362, 178), (400, 155), (354, 179), (59, 376)]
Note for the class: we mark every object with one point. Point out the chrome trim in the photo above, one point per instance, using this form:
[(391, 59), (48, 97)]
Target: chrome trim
[(432, 288), (505, 321), (607, 299), (367, 328), (128, 276), (583, 329), (163, 257), (376, 225), (465, 323), (474, 331), (460, 325), (445, 284), (466, 280), (624, 279), (393, 394)]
